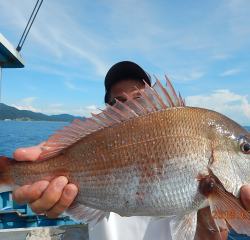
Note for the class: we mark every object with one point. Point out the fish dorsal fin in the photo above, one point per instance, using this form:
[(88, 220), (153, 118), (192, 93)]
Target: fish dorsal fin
[(152, 99)]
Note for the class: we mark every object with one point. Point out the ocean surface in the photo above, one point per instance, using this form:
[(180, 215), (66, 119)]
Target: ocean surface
[(15, 134), (25, 134)]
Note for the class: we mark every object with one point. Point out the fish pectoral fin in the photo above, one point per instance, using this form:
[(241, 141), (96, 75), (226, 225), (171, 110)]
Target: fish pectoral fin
[(184, 226), (81, 213), (224, 206)]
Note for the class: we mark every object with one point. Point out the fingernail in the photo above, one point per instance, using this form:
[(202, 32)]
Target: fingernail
[(246, 191), (42, 187), (60, 184), (71, 192)]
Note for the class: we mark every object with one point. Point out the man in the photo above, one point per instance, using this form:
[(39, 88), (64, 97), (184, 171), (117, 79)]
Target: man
[(55, 197)]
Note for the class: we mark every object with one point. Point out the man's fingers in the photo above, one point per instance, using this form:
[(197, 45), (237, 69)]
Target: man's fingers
[(50, 196), (29, 193), (43, 196), (67, 197), (245, 196), (30, 153), (206, 221)]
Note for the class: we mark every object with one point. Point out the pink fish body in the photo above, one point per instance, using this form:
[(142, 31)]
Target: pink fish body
[(152, 156)]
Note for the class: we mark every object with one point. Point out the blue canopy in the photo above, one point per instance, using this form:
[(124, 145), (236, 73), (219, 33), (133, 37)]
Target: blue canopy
[(9, 56)]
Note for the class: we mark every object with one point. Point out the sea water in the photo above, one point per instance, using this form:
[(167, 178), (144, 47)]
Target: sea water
[(15, 134)]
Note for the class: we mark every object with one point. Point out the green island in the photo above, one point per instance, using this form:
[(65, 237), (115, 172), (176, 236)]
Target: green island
[(8, 113)]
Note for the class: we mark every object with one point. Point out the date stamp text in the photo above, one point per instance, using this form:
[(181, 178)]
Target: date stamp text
[(230, 215)]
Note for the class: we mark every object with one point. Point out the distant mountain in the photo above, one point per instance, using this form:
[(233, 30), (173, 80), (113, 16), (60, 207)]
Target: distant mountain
[(14, 114)]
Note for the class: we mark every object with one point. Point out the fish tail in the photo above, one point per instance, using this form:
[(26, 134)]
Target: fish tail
[(6, 181)]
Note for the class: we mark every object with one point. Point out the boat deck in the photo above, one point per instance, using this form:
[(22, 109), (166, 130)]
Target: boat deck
[(76, 232)]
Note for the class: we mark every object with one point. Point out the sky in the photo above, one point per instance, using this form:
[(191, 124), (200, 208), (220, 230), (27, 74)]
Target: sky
[(202, 46)]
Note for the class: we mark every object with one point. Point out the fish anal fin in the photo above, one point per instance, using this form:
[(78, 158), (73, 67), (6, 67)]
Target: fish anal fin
[(81, 213), (225, 206), (184, 226)]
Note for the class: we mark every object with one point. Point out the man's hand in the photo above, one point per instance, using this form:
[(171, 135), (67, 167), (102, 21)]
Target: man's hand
[(51, 197), (245, 196), (206, 222)]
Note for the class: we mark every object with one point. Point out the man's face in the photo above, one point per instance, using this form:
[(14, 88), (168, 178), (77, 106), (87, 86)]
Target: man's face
[(128, 87)]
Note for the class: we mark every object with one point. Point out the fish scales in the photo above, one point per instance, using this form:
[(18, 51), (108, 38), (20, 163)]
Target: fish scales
[(133, 156), (142, 157), (170, 161)]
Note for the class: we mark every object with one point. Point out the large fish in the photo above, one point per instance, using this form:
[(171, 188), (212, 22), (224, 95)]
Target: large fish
[(150, 156)]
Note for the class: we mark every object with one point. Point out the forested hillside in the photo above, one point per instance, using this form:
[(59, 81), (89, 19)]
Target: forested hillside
[(14, 114)]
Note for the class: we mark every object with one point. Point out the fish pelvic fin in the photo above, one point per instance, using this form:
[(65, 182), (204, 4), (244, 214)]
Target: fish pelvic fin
[(225, 208), (184, 226), (6, 180), (81, 213), (151, 100)]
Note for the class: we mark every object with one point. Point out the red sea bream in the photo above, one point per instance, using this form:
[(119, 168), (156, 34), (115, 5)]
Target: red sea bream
[(151, 156)]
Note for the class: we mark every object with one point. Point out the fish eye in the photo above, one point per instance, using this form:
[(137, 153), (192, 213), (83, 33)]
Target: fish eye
[(245, 147)]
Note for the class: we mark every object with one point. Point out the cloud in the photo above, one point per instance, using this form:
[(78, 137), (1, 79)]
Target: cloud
[(92, 107), (91, 56), (219, 97), (150, 34), (55, 105), (230, 72), (85, 111), (239, 19), (72, 42), (72, 86), (188, 76), (25, 104), (233, 105), (53, 111), (221, 56)]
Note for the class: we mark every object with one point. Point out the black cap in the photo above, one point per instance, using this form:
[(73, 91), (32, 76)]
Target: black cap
[(123, 70)]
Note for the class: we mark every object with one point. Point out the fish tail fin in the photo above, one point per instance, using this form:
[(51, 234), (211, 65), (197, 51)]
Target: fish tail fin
[(225, 208), (6, 181)]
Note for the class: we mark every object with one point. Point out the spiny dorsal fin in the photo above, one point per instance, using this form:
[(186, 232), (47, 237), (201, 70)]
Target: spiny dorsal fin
[(151, 100)]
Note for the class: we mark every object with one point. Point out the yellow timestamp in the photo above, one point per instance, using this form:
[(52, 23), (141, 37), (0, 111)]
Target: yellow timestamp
[(229, 214)]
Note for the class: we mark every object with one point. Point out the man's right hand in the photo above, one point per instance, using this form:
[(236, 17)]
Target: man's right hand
[(53, 197)]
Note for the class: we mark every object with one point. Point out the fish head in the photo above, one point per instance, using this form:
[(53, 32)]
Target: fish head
[(230, 158)]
